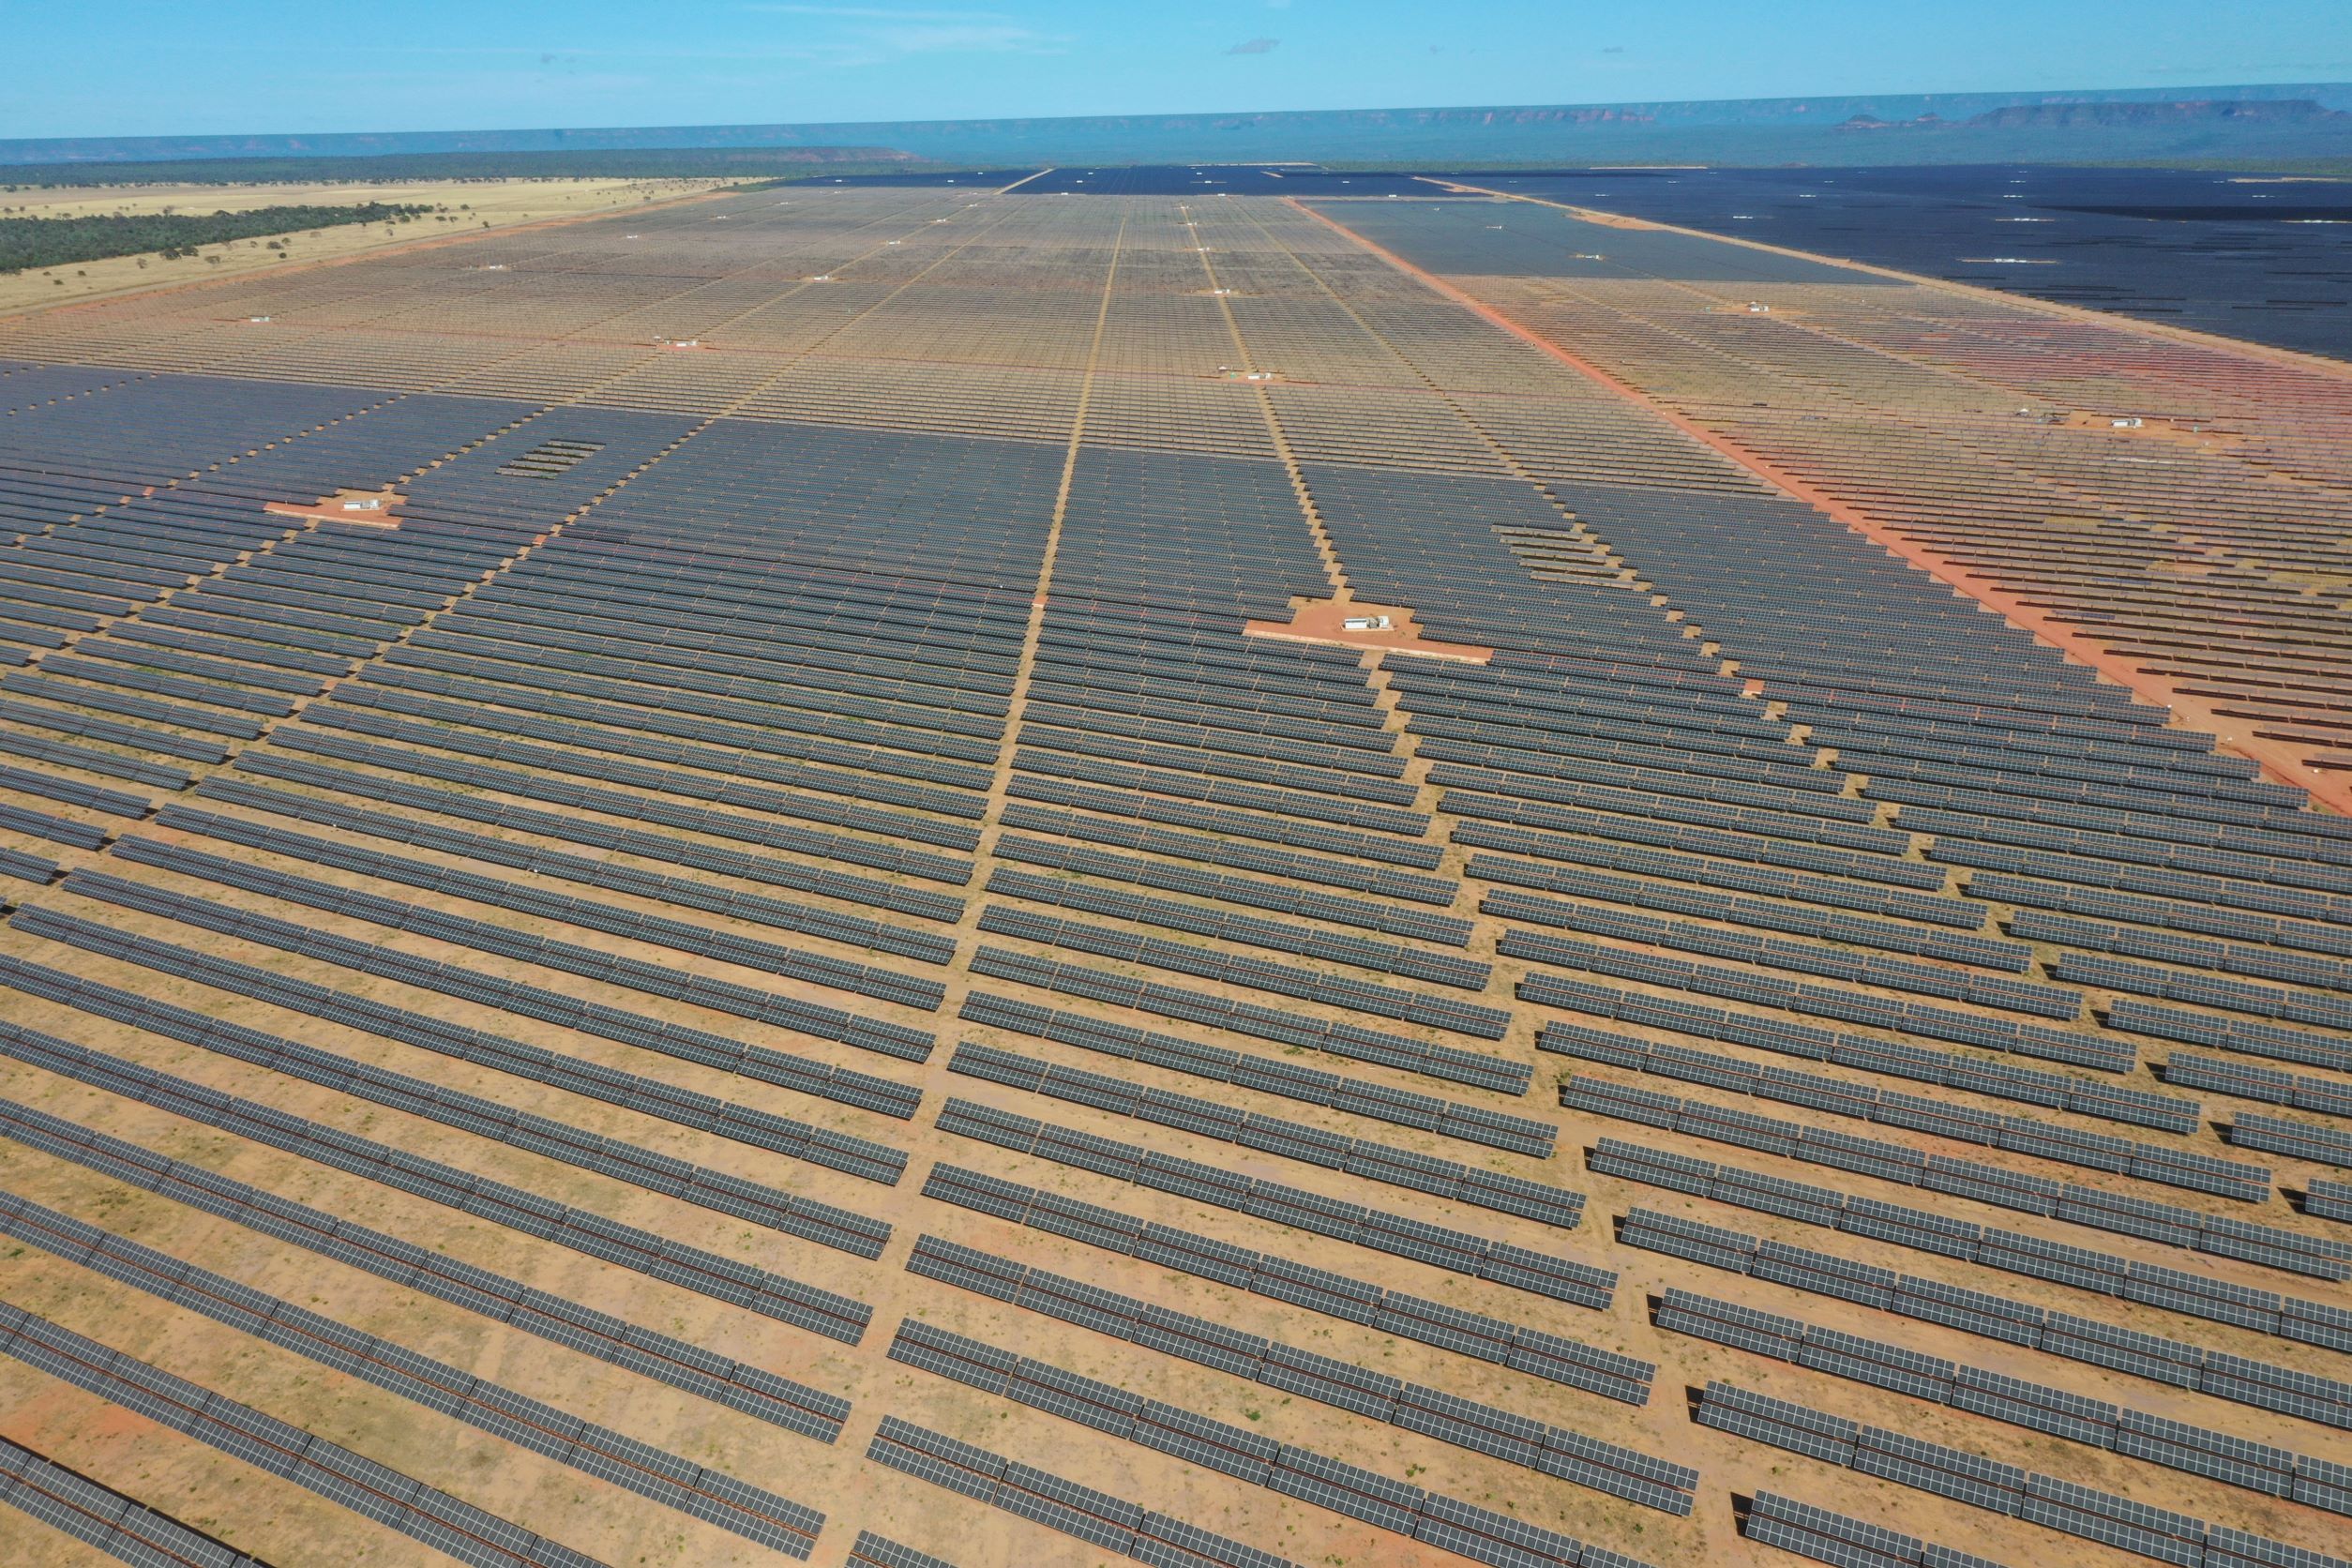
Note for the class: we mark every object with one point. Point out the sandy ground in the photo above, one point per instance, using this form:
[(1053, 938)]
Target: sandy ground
[(293, 1528), (473, 205)]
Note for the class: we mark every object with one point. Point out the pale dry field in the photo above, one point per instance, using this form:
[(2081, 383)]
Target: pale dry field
[(473, 207)]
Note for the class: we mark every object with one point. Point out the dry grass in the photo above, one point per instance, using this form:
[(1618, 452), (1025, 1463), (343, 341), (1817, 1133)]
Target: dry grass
[(474, 205)]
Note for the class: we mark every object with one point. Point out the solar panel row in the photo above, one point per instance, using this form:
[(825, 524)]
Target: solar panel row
[(1339, 1038), (1802, 957), (1539, 825), (1841, 1539), (1153, 1539), (2310, 966), (2151, 1162), (116, 1525), (757, 1290), (455, 1529), (1469, 1423), (452, 724), (751, 1512), (1539, 1273), (1241, 811), (760, 1204), (1362, 996), (747, 826), (743, 714), (1599, 749), (1325, 756), (1519, 1346), (2171, 1223), (1368, 801), (1680, 974), (891, 827), (2247, 1081), (664, 848), (1946, 1069), (1359, 1158), (1801, 817), (1966, 1477), (721, 1380), (1309, 869), (2197, 1295), (757, 909), (879, 1551), (1825, 924), (883, 1037), (2171, 1362), (2238, 1035), (2207, 990), (682, 1042), (2302, 1140), (2273, 933), (1380, 956), (653, 929), (28, 867), (2275, 1471), (1238, 1451), (759, 1129), (1311, 1085)]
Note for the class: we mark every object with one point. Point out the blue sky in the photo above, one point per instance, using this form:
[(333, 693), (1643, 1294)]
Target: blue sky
[(92, 67)]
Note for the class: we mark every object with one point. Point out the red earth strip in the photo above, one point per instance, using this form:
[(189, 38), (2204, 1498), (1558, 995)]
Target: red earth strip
[(2283, 763)]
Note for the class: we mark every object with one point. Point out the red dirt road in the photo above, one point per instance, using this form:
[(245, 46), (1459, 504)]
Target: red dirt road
[(2280, 762)]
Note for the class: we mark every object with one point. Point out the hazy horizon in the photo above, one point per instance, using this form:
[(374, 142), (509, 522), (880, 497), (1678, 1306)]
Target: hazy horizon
[(1493, 130), (239, 67)]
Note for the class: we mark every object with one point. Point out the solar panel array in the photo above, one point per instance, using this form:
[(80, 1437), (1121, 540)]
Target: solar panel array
[(2198, 1295), (749, 1511), (1396, 1507), (2147, 1160), (455, 1529), (510, 926), (2069, 462), (103, 1519), (1510, 1195), (747, 1201), (2199, 1451), (664, 1357), (1841, 1539), (879, 1551), (1094, 1518), (2170, 1224), (2131, 1526), (1427, 1411), (1520, 1268), (1345, 1297), (2171, 1362)]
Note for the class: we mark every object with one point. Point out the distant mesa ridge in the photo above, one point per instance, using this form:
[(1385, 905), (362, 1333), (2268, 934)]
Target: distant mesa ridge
[(2059, 116), (2110, 116), (1707, 128)]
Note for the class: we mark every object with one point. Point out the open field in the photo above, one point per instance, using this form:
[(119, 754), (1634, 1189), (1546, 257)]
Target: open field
[(767, 915), (473, 205)]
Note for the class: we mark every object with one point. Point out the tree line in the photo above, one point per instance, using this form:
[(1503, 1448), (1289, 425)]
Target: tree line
[(47, 242), (601, 164)]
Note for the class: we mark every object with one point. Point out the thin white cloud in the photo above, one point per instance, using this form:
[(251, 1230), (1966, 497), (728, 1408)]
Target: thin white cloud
[(878, 13), (1254, 46), (871, 35), (965, 37)]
